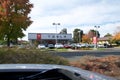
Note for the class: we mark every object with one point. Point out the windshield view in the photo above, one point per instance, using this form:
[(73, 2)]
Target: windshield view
[(59, 40)]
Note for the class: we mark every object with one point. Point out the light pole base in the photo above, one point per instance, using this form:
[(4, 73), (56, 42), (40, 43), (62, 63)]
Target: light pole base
[(95, 47)]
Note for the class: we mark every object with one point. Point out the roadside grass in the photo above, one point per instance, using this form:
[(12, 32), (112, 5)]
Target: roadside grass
[(67, 50), (61, 50), (55, 49), (100, 49)]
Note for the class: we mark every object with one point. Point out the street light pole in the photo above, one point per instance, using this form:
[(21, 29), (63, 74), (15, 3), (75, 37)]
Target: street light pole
[(56, 30), (96, 35), (79, 36)]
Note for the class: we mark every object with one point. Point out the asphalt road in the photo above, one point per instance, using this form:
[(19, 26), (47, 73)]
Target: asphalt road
[(76, 54)]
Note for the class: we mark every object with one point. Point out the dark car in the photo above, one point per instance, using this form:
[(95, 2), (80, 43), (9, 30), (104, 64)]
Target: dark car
[(51, 46)]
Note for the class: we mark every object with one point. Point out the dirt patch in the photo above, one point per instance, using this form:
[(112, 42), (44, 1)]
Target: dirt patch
[(108, 65)]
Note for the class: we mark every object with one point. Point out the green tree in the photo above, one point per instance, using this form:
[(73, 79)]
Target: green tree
[(77, 35), (14, 19), (63, 31), (108, 35)]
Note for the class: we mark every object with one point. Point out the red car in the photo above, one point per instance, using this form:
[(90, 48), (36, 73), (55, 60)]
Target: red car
[(67, 46)]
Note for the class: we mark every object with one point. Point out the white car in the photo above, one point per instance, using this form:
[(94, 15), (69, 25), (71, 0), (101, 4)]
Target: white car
[(41, 46), (101, 46), (59, 45)]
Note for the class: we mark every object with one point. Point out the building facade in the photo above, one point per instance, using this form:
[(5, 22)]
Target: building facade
[(49, 38), (104, 40)]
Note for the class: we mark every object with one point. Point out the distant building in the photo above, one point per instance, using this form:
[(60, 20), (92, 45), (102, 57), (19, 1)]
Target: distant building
[(49, 38), (103, 40)]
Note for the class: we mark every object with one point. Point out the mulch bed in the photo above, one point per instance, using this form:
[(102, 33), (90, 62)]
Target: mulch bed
[(108, 65)]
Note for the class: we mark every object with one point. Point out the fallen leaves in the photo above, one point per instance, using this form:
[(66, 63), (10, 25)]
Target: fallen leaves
[(108, 65)]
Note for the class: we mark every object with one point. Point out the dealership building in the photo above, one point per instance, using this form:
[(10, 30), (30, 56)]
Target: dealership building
[(49, 38)]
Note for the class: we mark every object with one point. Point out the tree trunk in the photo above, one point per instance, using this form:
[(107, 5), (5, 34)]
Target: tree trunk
[(8, 42), (16, 41)]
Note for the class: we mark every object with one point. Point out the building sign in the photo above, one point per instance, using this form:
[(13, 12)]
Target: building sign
[(54, 36), (49, 36), (94, 40), (38, 36)]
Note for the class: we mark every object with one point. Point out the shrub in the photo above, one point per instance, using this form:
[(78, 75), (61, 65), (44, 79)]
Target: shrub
[(15, 56), (108, 65)]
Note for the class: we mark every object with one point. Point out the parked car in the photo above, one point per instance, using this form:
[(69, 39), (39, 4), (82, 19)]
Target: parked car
[(100, 46), (59, 45), (84, 45), (67, 46), (51, 46), (41, 46), (74, 46), (107, 45), (91, 45), (78, 45)]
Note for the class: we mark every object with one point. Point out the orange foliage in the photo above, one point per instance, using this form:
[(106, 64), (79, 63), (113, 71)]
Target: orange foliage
[(117, 36), (85, 39), (4, 7)]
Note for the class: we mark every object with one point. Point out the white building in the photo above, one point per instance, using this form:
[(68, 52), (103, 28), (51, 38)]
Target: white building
[(49, 38)]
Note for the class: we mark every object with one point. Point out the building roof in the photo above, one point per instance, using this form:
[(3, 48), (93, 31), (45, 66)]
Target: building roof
[(104, 38)]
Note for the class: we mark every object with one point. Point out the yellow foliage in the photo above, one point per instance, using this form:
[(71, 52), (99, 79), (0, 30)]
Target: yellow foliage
[(117, 36), (86, 39)]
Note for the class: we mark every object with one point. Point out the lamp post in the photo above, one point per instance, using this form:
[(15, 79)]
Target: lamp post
[(79, 36), (96, 36), (56, 24)]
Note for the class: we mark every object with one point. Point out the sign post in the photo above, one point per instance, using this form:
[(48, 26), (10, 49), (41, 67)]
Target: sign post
[(95, 42)]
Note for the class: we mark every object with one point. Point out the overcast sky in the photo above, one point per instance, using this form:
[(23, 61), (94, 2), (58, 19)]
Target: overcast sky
[(71, 14)]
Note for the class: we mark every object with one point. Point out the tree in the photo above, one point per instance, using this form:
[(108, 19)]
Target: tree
[(63, 31), (116, 37), (86, 39), (93, 33), (77, 35), (14, 19), (108, 35)]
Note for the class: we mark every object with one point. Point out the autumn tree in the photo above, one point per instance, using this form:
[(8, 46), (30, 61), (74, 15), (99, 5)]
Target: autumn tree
[(77, 35), (86, 39), (116, 37), (14, 19)]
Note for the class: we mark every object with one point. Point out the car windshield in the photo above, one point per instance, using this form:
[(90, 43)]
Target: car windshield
[(69, 34)]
